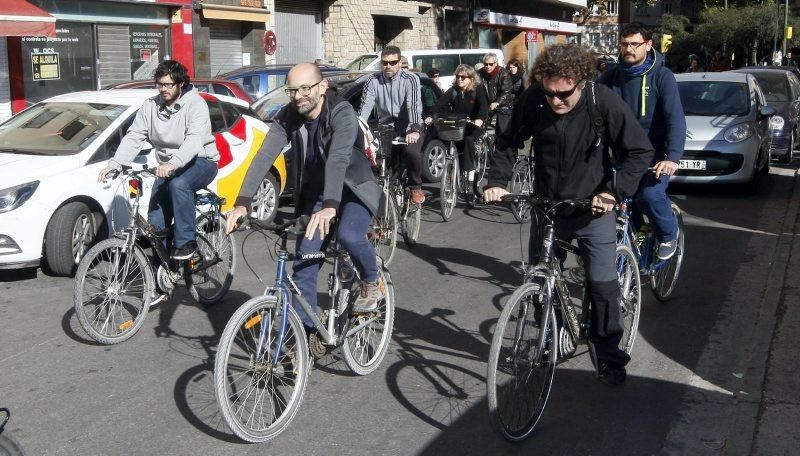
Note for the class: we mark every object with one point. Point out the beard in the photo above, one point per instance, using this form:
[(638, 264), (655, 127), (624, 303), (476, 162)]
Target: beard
[(305, 108)]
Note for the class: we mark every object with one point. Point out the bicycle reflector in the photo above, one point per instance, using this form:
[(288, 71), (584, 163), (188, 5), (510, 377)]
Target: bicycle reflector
[(125, 325), (252, 322), (133, 187)]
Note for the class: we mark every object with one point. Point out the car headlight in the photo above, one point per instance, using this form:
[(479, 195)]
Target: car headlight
[(738, 133), (776, 123), (14, 197)]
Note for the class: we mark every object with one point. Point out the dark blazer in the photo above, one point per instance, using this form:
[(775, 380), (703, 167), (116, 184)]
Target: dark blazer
[(341, 145)]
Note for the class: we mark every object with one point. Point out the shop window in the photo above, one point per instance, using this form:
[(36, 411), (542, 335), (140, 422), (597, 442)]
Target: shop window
[(148, 47)]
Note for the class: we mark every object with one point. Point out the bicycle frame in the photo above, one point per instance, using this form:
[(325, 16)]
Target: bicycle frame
[(643, 250)]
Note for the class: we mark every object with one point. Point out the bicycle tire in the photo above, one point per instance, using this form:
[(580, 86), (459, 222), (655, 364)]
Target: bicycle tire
[(630, 288), (482, 150), (364, 351), (243, 381), (412, 219), (383, 231), (664, 280), (114, 319), (10, 446), (208, 286), (449, 193), (521, 184), (531, 395)]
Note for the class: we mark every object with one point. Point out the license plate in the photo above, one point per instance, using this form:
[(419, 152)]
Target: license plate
[(693, 164)]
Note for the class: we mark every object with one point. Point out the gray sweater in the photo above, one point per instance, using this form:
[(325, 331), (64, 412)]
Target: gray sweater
[(178, 134), (398, 100)]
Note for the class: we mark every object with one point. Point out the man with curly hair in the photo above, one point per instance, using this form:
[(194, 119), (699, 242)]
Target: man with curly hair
[(572, 162)]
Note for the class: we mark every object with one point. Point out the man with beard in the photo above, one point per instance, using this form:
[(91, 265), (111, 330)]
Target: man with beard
[(333, 177), (649, 88), (176, 122)]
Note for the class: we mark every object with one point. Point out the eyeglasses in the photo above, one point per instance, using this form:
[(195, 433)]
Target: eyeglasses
[(303, 89), (562, 95), (169, 85), (390, 62), (631, 44), (489, 63), (461, 76)]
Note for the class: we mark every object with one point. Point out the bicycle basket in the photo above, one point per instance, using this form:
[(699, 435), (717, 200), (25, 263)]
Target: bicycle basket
[(450, 128), (385, 135)]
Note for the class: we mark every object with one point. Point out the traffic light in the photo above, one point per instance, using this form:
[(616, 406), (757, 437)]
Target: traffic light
[(787, 33), (666, 42)]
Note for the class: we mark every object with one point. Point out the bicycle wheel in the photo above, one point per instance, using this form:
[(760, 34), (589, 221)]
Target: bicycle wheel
[(522, 362), (258, 394), (412, 218), (113, 289), (10, 446), (664, 279), (364, 350), (630, 299), (449, 192), (482, 149), (383, 231), (210, 277), (521, 182)]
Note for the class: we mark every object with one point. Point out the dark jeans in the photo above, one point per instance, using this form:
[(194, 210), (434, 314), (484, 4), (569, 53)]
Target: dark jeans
[(173, 197), (652, 200), (354, 221), (597, 241), (466, 147)]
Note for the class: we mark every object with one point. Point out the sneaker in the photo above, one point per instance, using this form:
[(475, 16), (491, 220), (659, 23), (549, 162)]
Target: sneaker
[(185, 252), (417, 196), (368, 297), (611, 374), (667, 249)]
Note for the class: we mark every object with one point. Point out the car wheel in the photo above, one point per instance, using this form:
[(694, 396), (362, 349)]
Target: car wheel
[(265, 203), (70, 233), (433, 161), (767, 163)]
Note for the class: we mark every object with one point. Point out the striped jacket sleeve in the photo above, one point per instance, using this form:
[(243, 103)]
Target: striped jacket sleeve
[(413, 94), (368, 97)]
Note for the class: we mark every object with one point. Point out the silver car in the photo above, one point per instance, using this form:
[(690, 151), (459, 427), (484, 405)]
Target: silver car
[(727, 129)]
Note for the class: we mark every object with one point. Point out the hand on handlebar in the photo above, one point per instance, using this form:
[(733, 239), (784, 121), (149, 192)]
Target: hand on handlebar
[(602, 203), (665, 167), (101, 177), (412, 137), (428, 120), (494, 194), (233, 217), (478, 122), (165, 170), (320, 220), (493, 106)]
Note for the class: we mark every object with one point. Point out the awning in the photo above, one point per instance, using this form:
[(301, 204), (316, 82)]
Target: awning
[(234, 13), (395, 14), (20, 18)]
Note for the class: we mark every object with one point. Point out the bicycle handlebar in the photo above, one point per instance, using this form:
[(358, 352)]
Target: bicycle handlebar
[(128, 171), (534, 200)]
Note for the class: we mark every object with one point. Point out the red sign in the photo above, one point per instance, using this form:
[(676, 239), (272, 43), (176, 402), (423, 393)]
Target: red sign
[(144, 55), (270, 42), (531, 36)]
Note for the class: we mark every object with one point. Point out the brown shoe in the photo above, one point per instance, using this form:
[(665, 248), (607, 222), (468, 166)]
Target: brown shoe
[(371, 293), (417, 197)]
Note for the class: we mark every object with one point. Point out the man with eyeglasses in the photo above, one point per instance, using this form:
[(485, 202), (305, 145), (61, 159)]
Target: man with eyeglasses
[(650, 89), (177, 124), (396, 95), (333, 178), (499, 88), (571, 162)]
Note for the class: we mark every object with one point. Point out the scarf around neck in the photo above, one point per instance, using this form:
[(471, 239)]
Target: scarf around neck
[(638, 70)]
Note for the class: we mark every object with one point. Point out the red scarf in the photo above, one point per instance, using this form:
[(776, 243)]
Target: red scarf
[(493, 73)]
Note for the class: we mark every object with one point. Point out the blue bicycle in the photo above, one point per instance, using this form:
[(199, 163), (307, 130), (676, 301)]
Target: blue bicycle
[(263, 361)]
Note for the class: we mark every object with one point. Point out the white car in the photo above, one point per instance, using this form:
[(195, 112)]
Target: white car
[(52, 209)]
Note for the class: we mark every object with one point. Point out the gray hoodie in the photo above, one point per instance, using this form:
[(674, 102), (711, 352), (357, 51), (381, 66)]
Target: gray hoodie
[(178, 134)]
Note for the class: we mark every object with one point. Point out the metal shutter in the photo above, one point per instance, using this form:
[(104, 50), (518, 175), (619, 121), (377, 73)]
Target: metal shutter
[(298, 5), (114, 54), (226, 46), (299, 36)]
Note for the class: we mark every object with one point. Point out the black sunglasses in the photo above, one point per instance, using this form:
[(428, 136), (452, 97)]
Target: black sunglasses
[(461, 76), (562, 95), (390, 62)]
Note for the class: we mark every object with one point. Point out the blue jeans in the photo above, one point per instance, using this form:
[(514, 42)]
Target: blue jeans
[(652, 200), (173, 198), (354, 221)]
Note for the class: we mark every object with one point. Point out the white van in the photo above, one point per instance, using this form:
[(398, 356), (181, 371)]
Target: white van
[(446, 60)]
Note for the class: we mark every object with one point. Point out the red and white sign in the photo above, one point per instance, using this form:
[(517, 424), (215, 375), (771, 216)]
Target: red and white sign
[(488, 17), (270, 42), (531, 36), (145, 54)]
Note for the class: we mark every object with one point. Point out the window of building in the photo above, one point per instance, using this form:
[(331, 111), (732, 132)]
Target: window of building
[(641, 10), (666, 8), (612, 7)]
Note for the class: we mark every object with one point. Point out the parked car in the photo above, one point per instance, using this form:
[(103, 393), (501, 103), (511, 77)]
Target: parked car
[(52, 209), (350, 87), (424, 60), (795, 70), (257, 81), (782, 91), (728, 130), (215, 86)]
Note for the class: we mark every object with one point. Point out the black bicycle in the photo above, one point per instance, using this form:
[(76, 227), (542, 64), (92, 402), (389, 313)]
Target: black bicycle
[(115, 284)]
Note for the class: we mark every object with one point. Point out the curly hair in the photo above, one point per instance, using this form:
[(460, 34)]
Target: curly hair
[(568, 60), (468, 70), (174, 70)]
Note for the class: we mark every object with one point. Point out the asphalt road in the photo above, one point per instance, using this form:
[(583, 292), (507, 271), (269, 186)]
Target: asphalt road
[(153, 394)]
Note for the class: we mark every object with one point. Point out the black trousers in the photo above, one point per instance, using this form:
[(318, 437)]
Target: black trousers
[(597, 242), (411, 156)]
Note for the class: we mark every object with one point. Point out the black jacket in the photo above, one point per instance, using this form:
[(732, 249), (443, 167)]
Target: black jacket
[(498, 88), (570, 163), (341, 145), (473, 104)]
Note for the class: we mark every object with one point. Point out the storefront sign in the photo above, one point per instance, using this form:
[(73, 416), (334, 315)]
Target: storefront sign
[(45, 66), (270, 42), (487, 17), (252, 3), (531, 36), (148, 46)]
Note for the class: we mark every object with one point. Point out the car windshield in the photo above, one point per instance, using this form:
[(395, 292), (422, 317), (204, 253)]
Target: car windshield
[(714, 98), (360, 63), (57, 128), (774, 86), (268, 106)]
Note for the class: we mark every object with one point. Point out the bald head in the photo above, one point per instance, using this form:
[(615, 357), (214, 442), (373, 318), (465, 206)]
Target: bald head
[(306, 88), (304, 73)]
